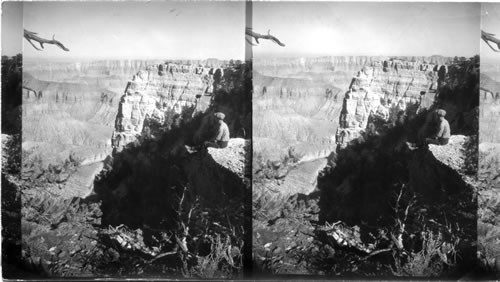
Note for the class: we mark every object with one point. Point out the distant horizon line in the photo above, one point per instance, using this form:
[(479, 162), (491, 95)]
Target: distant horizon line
[(73, 59)]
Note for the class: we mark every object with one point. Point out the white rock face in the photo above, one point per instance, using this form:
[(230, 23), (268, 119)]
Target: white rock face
[(385, 95), (157, 93)]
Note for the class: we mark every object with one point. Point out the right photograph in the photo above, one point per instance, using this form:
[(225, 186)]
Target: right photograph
[(365, 139), (489, 141)]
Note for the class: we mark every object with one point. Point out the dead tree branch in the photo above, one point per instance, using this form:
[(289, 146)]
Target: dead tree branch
[(29, 90), (376, 253), (162, 255), (401, 223), (257, 36), (487, 92), (29, 35), (489, 37)]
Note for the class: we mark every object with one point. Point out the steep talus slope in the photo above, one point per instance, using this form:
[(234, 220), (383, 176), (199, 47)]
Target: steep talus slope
[(269, 197)]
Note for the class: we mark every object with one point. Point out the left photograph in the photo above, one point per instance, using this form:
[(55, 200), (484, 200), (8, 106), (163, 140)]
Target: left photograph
[(136, 133)]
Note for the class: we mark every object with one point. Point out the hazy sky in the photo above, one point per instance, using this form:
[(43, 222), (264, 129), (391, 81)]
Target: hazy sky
[(177, 30), (490, 22), (12, 28), (356, 28), (200, 30)]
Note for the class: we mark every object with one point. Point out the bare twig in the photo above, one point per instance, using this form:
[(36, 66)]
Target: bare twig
[(396, 207), (401, 223), (377, 252), (29, 89), (257, 36), (250, 42), (489, 37), (487, 91), (181, 200), (162, 255), (29, 35)]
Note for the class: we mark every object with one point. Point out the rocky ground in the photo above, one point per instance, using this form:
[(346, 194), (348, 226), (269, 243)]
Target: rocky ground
[(234, 156), (287, 244)]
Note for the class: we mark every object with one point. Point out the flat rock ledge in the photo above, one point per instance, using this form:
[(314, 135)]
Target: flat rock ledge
[(234, 157)]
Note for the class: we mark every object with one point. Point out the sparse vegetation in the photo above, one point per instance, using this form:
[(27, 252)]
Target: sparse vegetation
[(274, 170), (38, 173)]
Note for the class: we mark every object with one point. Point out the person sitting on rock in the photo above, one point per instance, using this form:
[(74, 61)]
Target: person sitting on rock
[(443, 135), (222, 138)]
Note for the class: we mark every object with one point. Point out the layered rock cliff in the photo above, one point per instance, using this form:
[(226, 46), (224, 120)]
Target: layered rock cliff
[(158, 93), (383, 94)]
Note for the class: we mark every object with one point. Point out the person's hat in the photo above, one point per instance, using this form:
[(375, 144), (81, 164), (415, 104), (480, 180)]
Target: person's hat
[(219, 115), (441, 112)]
